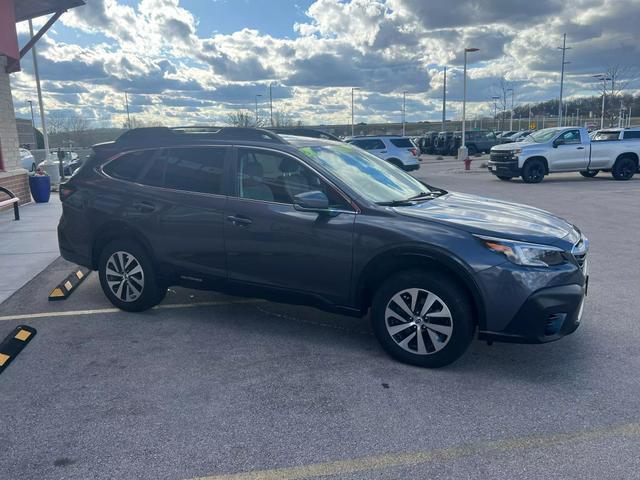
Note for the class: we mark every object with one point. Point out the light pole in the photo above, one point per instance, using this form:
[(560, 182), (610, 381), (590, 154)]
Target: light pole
[(511, 120), (462, 152), (564, 48), (404, 111), (495, 110), (352, 111), (257, 109), (271, 103), (444, 100), (604, 79), (33, 125)]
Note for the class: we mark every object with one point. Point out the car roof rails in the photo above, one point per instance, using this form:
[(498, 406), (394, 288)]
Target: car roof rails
[(146, 134), (304, 132)]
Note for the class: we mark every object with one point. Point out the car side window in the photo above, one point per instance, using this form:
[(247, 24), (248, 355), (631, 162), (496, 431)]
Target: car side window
[(191, 169), (274, 177), (128, 166), (632, 135), (571, 137)]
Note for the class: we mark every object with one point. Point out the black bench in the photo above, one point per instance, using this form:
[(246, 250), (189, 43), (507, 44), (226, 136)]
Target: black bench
[(11, 200)]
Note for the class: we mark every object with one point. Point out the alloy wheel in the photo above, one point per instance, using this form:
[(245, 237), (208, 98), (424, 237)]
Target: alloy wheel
[(418, 321), (125, 276)]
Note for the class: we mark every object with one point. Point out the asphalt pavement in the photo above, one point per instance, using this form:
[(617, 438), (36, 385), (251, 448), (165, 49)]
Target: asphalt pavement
[(209, 386)]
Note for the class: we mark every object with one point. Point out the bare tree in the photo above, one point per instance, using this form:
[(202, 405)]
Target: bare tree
[(244, 118), (135, 123), (618, 78), (500, 89)]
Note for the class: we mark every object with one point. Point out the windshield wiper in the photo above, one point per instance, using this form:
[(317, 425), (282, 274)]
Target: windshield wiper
[(420, 197)]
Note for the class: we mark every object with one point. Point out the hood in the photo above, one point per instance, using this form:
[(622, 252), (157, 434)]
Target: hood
[(495, 218), (513, 145)]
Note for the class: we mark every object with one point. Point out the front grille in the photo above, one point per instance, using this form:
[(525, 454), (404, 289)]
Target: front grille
[(502, 157)]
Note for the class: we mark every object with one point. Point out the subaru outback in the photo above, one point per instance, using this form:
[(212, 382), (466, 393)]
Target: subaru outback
[(317, 222)]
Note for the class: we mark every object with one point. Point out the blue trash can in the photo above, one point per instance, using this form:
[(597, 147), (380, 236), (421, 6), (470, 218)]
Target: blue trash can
[(40, 186)]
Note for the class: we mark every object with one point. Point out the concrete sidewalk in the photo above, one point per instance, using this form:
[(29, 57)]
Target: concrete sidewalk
[(29, 245)]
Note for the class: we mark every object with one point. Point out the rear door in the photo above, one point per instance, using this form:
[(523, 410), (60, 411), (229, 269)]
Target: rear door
[(270, 243), (184, 190), (372, 145)]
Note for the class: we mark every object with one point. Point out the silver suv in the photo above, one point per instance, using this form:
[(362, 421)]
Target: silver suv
[(395, 149)]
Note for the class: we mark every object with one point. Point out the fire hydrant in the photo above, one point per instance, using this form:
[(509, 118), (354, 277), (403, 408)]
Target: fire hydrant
[(467, 163)]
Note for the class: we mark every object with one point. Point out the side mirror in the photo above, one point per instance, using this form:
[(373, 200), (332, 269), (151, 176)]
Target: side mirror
[(314, 201), (558, 141)]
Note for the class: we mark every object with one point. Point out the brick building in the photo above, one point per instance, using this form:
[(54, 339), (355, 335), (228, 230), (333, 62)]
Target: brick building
[(12, 176)]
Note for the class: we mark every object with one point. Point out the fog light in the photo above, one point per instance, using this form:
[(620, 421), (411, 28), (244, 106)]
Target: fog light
[(554, 323)]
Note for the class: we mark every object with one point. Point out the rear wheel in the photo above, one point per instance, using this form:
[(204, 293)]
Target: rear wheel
[(504, 178), (128, 277), (533, 171), (395, 162), (589, 173), (422, 318), (624, 168)]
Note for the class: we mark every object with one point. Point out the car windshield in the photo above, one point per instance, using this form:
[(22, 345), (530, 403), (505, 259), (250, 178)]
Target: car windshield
[(372, 178), (542, 136)]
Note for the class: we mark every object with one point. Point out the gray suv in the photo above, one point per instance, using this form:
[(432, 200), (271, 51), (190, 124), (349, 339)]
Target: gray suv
[(323, 223)]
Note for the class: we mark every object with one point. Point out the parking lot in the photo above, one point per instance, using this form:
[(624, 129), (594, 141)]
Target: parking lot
[(219, 387)]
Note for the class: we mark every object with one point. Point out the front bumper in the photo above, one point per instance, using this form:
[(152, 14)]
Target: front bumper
[(547, 315), (507, 169)]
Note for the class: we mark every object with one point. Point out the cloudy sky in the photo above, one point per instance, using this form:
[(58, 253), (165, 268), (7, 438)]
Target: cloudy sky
[(194, 61)]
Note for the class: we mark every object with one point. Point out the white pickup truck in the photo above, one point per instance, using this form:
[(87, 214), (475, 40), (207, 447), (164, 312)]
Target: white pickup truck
[(564, 149)]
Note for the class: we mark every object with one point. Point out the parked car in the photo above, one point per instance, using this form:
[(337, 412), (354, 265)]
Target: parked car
[(503, 135), (426, 143), (442, 143), (477, 141), (70, 161), (517, 137), (564, 149), (322, 223), (398, 150), (27, 161)]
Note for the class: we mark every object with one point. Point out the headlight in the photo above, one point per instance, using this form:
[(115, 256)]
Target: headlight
[(516, 151), (527, 254)]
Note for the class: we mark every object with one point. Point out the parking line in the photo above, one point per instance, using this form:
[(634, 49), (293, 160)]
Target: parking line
[(168, 306), (395, 460)]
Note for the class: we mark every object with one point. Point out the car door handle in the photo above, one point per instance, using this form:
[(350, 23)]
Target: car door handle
[(580, 148), (239, 221), (144, 207)]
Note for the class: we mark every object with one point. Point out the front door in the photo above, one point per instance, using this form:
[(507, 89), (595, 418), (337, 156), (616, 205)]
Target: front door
[(571, 155), (270, 243)]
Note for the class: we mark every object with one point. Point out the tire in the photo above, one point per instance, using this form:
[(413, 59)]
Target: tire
[(395, 161), (141, 287), (504, 178), (472, 150), (454, 318), (624, 168), (533, 171), (589, 173)]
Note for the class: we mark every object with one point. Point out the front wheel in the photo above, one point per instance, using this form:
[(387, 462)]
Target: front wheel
[(589, 173), (504, 178), (128, 276), (624, 168), (533, 171), (422, 319)]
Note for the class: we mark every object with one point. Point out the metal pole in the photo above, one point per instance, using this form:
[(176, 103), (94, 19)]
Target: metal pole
[(564, 48), (271, 104), (257, 109), (604, 93), (352, 112), (33, 125), (444, 100), (511, 120), (404, 111), (43, 122), (126, 101), (464, 101)]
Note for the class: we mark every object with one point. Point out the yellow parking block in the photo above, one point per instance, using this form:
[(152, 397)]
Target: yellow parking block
[(3, 359), (23, 335)]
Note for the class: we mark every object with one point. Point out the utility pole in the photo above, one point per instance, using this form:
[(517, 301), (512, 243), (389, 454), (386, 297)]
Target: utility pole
[(126, 101), (577, 117), (604, 79), (511, 120), (564, 49), (257, 109), (444, 100), (43, 122), (271, 103), (495, 110), (404, 111), (33, 125), (462, 151), (352, 112)]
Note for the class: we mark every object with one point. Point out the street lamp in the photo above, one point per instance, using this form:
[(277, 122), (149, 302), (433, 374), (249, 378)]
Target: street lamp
[(462, 151), (564, 49), (495, 110), (605, 79), (352, 116), (257, 108), (511, 120), (404, 111), (271, 103)]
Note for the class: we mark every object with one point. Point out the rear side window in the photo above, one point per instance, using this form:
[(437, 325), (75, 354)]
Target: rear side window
[(632, 135), (193, 169), (402, 142), (128, 166), (369, 144)]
